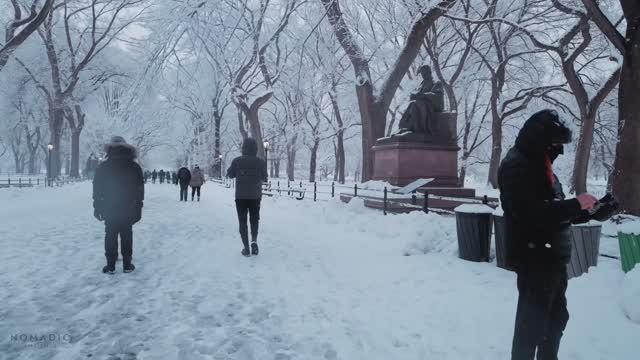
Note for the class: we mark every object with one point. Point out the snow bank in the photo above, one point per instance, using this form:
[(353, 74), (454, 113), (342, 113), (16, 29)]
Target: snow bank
[(376, 185), (474, 209), (630, 227), (498, 211), (630, 298)]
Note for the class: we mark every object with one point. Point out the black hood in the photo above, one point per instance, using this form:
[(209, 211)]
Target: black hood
[(121, 151), (250, 147), (540, 131)]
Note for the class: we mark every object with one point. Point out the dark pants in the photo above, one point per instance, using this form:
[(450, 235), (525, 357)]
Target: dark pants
[(252, 207), (112, 230), (195, 189), (542, 314), (184, 192)]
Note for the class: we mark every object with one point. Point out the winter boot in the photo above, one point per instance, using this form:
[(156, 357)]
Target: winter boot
[(254, 248), (127, 268), (245, 252), (198, 197), (109, 269), (191, 197)]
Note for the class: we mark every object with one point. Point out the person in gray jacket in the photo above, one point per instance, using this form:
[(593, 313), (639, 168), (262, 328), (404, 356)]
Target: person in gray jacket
[(250, 172)]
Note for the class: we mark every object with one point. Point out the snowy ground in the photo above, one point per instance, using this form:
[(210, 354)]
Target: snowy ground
[(332, 282)]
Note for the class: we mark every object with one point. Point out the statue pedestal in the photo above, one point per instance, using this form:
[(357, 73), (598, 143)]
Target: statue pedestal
[(401, 162)]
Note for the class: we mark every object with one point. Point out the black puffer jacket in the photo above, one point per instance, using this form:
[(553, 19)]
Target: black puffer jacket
[(184, 176), (118, 186), (537, 217), (250, 172)]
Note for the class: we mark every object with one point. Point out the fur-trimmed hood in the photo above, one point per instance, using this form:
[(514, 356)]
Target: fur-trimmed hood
[(118, 147)]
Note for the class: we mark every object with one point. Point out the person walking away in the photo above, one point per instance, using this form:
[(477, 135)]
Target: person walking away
[(174, 178), (146, 175), (161, 176), (154, 176), (250, 172), (118, 195), (184, 177), (197, 180), (537, 223)]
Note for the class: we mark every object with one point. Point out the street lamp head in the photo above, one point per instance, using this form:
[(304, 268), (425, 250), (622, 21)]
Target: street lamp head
[(220, 157), (50, 147), (266, 145)]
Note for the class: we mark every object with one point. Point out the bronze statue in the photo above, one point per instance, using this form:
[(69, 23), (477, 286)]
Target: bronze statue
[(428, 99)]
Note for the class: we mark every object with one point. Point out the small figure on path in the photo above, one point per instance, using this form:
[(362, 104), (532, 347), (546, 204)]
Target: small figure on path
[(91, 166), (538, 223), (197, 180), (174, 178), (184, 177), (146, 176), (118, 194), (154, 176), (161, 174), (250, 173)]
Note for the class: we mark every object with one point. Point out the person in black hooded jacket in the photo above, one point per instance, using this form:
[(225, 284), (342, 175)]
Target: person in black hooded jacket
[(537, 223), (118, 195), (250, 172)]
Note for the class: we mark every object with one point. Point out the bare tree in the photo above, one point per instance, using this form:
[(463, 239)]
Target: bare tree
[(29, 25), (626, 171)]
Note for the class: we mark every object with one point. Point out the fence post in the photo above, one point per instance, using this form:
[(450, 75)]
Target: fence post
[(355, 190), (414, 198), (38, 181), (9, 181), (425, 206), (485, 200), (333, 189), (289, 187), (19, 182), (315, 191), (279, 187), (384, 204)]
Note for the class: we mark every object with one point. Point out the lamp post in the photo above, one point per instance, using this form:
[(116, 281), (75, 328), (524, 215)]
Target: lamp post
[(49, 174), (221, 167), (266, 155)]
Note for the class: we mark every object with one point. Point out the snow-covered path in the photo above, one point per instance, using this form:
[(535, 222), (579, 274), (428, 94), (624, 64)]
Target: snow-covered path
[(331, 282)]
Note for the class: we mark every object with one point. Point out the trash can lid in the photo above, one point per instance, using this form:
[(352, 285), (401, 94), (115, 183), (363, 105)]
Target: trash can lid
[(630, 227), (474, 209)]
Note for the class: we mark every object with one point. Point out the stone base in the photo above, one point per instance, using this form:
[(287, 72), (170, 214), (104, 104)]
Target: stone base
[(401, 162)]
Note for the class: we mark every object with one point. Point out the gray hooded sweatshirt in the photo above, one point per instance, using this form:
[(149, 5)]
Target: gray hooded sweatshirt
[(250, 172)]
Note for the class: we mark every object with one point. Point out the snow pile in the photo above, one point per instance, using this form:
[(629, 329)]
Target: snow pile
[(474, 209), (376, 185), (498, 211), (630, 227), (631, 295), (432, 234)]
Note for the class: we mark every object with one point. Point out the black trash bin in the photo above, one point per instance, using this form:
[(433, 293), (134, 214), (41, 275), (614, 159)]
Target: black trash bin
[(473, 225), (503, 246), (585, 248)]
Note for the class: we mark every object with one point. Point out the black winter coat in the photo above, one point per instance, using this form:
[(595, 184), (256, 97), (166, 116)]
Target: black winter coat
[(184, 176), (118, 186), (250, 172), (537, 217)]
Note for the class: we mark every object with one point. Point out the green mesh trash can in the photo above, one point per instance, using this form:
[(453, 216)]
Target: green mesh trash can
[(629, 241)]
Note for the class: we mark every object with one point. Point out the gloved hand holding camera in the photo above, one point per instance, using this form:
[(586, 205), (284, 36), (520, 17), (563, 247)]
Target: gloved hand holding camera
[(604, 208)]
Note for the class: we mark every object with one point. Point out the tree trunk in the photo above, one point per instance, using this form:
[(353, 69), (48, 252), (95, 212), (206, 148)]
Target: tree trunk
[(496, 146), (313, 162), (626, 172), (256, 130), (243, 131), (583, 154), (55, 129), (291, 164), (340, 157), (75, 153)]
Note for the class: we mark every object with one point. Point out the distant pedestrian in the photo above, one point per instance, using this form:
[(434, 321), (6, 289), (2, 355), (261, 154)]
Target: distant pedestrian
[(174, 178), (250, 172), (146, 176), (161, 175), (154, 176), (537, 223), (197, 180), (184, 178), (91, 166), (118, 194)]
